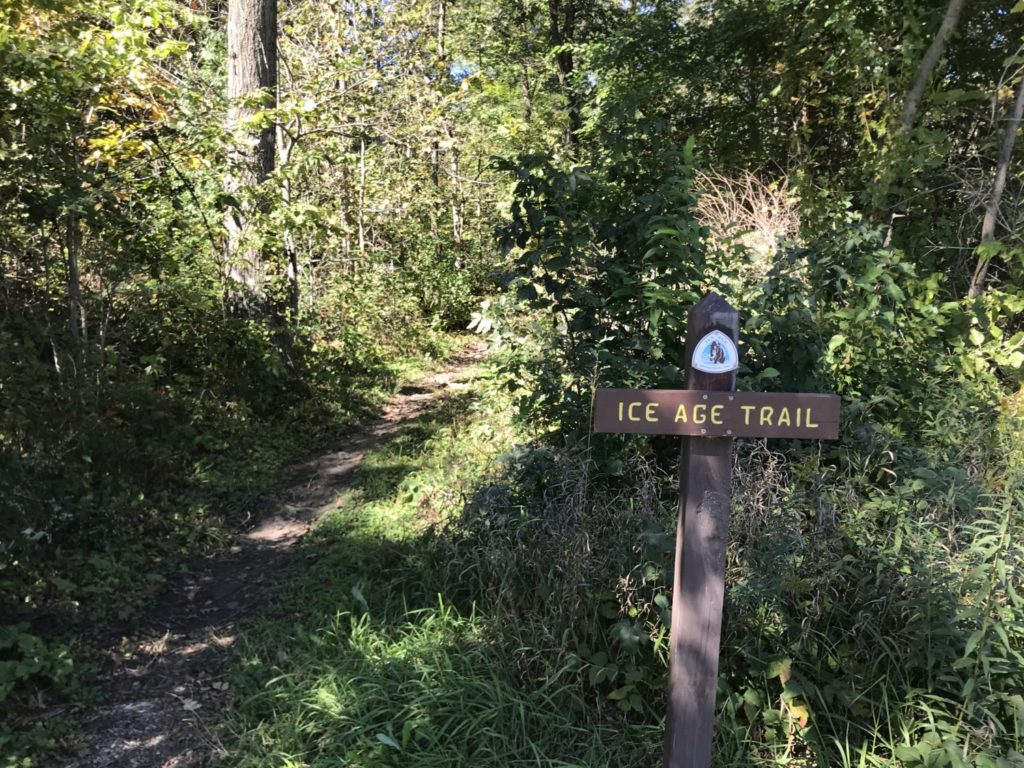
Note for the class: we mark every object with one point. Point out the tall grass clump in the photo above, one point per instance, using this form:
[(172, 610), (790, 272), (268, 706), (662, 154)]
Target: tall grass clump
[(874, 611), (384, 649), (886, 631)]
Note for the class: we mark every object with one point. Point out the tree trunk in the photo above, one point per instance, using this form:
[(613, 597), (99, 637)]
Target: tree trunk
[(362, 196), (252, 84), (455, 192), (285, 146), (912, 103), (524, 80), (442, 14), (562, 16), (988, 222), (928, 63), (435, 171), (344, 192), (76, 312)]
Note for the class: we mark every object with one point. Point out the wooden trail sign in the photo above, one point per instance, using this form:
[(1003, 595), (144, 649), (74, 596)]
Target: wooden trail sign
[(708, 414), (716, 414)]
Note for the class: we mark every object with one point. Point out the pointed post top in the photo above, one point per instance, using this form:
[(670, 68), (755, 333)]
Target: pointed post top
[(712, 303)]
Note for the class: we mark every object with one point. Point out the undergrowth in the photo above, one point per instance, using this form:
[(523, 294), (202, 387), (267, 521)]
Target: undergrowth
[(480, 599), (134, 485), (387, 649), (874, 612)]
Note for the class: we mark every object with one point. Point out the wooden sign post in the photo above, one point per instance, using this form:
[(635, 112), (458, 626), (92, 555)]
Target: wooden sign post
[(708, 415)]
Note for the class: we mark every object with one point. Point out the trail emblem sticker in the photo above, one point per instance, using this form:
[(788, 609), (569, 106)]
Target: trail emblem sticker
[(715, 353)]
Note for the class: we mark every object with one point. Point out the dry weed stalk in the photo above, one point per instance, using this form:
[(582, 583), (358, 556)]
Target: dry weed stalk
[(757, 214), (760, 477)]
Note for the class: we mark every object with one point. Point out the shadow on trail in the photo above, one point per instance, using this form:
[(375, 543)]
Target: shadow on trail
[(165, 674), (366, 658)]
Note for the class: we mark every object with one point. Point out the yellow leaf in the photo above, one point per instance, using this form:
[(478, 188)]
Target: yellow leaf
[(800, 713)]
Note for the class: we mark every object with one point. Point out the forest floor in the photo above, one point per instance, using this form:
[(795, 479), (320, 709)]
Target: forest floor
[(163, 681)]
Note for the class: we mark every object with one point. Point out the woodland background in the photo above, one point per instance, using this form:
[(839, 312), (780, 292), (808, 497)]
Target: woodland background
[(225, 229)]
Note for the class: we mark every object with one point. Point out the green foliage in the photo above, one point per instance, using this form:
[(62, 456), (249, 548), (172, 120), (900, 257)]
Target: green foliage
[(613, 255), (32, 658), (852, 316), (873, 604), (853, 559), (369, 635), (140, 418), (29, 663), (826, 602), (553, 549), (874, 612)]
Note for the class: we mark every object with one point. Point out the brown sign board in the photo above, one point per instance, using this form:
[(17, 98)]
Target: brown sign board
[(716, 414)]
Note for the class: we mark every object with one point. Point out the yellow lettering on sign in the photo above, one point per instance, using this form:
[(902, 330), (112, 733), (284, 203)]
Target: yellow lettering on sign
[(704, 413), (716, 414), (784, 417)]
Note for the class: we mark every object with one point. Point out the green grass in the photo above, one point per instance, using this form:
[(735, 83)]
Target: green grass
[(165, 476), (469, 601), (889, 635), (366, 662)]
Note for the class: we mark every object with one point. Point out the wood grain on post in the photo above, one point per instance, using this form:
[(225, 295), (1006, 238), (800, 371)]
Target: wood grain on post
[(699, 583)]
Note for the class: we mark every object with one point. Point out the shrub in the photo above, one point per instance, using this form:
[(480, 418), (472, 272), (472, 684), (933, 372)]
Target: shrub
[(613, 255)]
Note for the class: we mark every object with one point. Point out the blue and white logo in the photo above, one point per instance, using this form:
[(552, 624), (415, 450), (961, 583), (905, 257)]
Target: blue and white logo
[(715, 353)]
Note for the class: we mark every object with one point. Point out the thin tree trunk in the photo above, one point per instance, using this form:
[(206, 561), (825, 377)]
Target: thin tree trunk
[(252, 76), (524, 79), (101, 338), (285, 147), (455, 194), (76, 313), (928, 63), (912, 103), (988, 222), (442, 14), (435, 172), (562, 17), (344, 218), (362, 196), (44, 250)]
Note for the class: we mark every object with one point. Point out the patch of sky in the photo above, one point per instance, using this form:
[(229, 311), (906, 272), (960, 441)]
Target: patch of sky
[(638, 7), (460, 69)]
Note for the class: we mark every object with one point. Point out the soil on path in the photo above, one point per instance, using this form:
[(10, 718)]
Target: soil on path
[(164, 684)]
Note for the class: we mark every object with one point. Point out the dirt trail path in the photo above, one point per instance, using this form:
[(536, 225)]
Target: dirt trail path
[(165, 683)]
